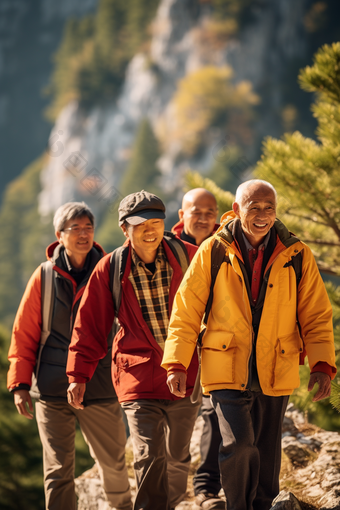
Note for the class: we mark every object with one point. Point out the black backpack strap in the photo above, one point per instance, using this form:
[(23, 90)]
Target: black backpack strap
[(117, 266), (178, 249), (296, 263), (218, 256)]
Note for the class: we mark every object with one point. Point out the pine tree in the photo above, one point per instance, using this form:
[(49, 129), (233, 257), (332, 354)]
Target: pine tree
[(306, 175), (142, 172)]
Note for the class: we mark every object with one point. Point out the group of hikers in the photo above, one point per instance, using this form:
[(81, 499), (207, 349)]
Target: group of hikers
[(96, 333)]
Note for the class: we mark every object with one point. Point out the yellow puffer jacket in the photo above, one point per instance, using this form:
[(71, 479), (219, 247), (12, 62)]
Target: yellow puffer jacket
[(227, 343)]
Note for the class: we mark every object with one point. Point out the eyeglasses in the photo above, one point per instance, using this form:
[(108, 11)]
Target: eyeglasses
[(78, 230)]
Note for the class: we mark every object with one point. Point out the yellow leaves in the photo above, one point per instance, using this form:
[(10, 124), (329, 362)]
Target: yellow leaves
[(204, 99)]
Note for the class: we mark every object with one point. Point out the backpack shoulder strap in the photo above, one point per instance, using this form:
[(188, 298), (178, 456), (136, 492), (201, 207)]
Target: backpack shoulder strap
[(218, 256), (117, 266), (297, 266), (47, 302), (178, 249), (47, 299)]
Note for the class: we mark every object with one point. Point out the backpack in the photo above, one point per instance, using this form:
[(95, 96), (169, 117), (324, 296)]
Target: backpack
[(117, 266), (218, 256)]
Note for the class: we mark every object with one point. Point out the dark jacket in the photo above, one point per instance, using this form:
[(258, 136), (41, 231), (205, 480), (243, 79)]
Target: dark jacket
[(136, 370), (178, 230), (52, 381)]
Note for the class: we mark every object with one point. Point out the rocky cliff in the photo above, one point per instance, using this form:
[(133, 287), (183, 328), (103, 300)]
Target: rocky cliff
[(264, 52)]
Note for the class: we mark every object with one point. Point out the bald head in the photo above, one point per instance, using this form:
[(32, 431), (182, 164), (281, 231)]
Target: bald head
[(247, 188), (255, 206), (199, 214)]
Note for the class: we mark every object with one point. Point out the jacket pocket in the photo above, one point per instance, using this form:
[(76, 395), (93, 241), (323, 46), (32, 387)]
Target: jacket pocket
[(286, 366), (134, 372), (218, 358)]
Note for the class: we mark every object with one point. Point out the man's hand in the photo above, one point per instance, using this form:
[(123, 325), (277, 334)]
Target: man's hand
[(75, 394), (22, 399), (324, 382), (177, 383)]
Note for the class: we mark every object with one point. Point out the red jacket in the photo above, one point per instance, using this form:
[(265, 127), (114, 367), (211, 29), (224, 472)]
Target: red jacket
[(178, 228), (136, 356), (52, 382)]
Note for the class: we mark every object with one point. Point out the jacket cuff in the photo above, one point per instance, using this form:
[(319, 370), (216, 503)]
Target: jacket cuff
[(79, 379), (20, 386), (176, 368), (322, 366)]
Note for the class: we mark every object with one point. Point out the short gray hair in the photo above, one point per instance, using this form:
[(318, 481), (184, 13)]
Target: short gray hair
[(70, 211)]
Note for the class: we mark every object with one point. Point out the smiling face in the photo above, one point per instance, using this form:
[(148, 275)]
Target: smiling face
[(77, 244), (257, 211), (145, 238), (198, 213)]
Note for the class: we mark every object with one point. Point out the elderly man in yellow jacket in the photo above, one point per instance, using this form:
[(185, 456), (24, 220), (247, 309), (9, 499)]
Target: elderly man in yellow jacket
[(263, 320)]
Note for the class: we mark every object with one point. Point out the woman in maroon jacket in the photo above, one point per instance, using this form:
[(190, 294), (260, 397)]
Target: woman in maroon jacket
[(160, 424)]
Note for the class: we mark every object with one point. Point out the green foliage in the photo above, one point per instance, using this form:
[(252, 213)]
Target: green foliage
[(91, 61), (306, 173), (224, 199), (335, 396), (142, 172), (21, 483), (23, 238), (109, 234)]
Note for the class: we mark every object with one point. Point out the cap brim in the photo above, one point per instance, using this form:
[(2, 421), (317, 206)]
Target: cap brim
[(144, 216)]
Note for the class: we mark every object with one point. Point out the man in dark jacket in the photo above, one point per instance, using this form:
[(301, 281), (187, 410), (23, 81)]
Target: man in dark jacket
[(73, 257), (198, 222), (160, 424)]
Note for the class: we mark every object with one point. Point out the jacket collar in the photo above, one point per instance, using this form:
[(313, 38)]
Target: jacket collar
[(226, 232)]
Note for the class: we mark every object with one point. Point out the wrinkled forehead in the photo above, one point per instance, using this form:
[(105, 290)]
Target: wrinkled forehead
[(254, 195)]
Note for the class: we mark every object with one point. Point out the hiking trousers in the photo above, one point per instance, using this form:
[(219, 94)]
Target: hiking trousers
[(104, 431), (207, 477), (161, 431), (250, 452)]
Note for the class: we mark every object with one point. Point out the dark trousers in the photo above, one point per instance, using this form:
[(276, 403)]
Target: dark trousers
[(160, 431), (250, 453), (207, 477)]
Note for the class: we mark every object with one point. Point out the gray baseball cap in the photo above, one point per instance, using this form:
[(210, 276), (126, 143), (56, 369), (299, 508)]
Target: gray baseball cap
[(139, 207)]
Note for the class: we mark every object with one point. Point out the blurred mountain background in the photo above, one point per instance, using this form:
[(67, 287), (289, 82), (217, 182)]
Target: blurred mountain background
[(101, 98)]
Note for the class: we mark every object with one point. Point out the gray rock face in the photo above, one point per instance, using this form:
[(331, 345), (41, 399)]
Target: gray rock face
[(104, 136), (313, 476)]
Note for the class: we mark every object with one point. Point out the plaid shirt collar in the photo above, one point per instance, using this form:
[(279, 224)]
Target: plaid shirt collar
[(152, 292), (160, 257)]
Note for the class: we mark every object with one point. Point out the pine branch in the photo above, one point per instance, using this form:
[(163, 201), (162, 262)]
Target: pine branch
[(308, 218), (320, 241)]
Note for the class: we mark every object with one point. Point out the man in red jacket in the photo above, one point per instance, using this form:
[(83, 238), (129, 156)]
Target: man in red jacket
[(160, 423), (198, 222), (73, 257)]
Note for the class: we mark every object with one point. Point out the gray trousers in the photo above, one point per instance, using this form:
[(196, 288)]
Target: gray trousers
[(161, 431), (104, 432)]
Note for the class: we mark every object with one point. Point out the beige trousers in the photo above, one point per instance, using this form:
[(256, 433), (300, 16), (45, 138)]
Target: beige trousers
[(104, 432)]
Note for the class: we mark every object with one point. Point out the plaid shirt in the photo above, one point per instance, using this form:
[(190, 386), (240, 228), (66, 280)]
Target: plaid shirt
[(152, 292)]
